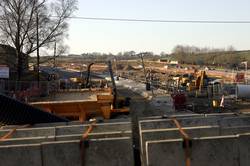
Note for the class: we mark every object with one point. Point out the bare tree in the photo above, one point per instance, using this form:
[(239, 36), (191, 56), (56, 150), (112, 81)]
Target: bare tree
[(28, 25), (231, 48)]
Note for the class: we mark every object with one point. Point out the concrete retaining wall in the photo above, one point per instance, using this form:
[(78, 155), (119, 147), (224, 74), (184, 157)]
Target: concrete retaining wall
[(101, 121), (67, 130), (106, 152), (161, 142), (216, 151), (21, 155), (195, 121), (108, 144), (35, 140), (193, 132)]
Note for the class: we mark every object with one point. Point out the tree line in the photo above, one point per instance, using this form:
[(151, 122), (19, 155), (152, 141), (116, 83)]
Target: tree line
[(28, 25), (228, 57), (127, 55)]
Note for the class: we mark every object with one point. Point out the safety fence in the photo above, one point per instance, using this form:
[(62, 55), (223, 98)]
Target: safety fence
[(29, 90), (25, 90)]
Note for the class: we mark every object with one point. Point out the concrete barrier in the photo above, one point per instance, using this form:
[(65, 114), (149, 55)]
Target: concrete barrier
[(57, 124), (195, 121), (30, 132), (105, 152), (63, 153), (95, 136), (23, 155), (112, 152), (197, 127), (192, 115), (103, 127), (27, 140), (35, 140), (193, 132), (216, 151), (164, 134), (67, 130), (244, 148)]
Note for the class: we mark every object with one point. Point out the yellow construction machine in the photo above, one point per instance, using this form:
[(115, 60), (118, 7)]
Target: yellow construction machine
[(196, 82), (97, 102)]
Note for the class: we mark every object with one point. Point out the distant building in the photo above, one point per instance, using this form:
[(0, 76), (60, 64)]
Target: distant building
[(173, 62), (168, 61), (163, 60), (8, 58)]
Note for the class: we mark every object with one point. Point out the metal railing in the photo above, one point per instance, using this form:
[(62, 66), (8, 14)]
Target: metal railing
[(29, 90), (24, 90)]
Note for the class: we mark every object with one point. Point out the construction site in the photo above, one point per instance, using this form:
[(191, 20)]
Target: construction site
[(124, 83), (126, 113)]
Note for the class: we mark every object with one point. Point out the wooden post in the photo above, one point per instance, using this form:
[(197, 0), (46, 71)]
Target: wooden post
[(37, 51)]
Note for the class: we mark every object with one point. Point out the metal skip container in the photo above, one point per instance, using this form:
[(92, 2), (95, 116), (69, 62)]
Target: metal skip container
[(242, 91)]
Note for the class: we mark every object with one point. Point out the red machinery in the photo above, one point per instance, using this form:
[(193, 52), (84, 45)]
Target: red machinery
[(179, 100)]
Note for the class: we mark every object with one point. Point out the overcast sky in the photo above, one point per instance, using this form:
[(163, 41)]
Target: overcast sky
[(110, 36)]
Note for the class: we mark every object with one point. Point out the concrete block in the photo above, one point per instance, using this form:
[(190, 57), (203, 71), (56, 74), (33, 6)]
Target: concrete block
[(185, 122), (27, 140), (193, 132), (196, 121), (110, 152), (30, 132), (216, 151), (61, 153), (20, 155), (53, 124), (169, 153), (77, 137), (67, 130), (234, 130), (94, 136), (124, 120), (237, 121), (172, 114), (180, 115), (105, 152), (104, 127), (244, 147)]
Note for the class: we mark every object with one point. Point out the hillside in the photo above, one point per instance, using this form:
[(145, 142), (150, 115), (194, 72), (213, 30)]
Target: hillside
[(228, 58)]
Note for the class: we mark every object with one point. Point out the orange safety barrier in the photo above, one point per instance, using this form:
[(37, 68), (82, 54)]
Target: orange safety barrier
[(186, 141), (11, 132), (89, 130)]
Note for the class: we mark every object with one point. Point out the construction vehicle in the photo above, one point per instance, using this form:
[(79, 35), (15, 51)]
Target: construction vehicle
[(88, 78), (197, 81), (97, 102), (83, 82), (190, 82)]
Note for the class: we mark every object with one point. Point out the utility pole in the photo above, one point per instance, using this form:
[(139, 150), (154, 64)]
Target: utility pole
[(54, 62), (144, 70), (37, 51), (113, 84), (115, 61), (143, 66)]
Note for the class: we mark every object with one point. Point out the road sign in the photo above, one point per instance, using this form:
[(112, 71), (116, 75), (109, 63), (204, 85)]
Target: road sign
[(4, 72)]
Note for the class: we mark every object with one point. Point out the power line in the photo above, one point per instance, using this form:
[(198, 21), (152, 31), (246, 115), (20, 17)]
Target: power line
[(161, 21), (156, 20)]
